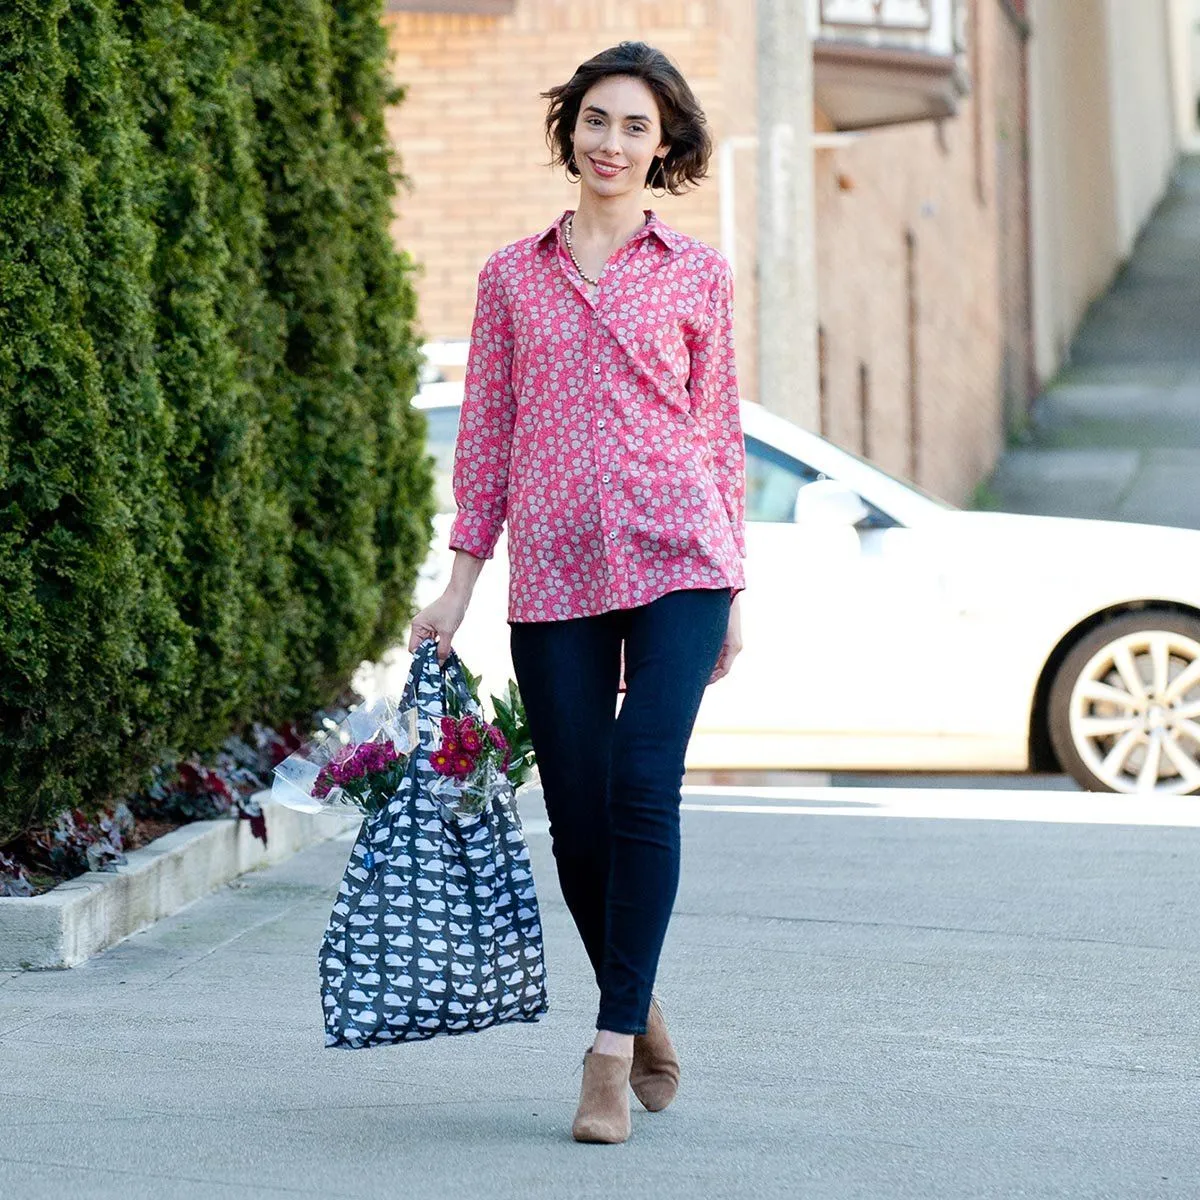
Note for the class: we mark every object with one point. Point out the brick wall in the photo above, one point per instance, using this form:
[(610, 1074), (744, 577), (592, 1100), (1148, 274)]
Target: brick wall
[(470, 130), (914, 221), (911, 282)]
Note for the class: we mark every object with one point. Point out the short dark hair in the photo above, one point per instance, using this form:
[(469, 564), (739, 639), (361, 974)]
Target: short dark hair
[(685, 128)]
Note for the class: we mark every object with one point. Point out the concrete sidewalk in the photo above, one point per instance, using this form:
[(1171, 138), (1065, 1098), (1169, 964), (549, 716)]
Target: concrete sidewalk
[(872, 1006), (1117, 435)]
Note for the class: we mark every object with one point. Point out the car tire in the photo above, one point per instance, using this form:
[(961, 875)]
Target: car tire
[(1124, 707)]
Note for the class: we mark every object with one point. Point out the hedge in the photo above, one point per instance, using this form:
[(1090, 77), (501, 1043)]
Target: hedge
[(214, 496)]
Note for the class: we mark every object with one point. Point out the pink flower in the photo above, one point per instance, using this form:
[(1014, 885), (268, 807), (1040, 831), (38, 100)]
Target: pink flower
[(449, 727), (497, 738), (470, 741), (442, 762)]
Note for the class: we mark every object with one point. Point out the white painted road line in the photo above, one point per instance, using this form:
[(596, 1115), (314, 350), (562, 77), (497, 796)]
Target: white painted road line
[(955, 804)]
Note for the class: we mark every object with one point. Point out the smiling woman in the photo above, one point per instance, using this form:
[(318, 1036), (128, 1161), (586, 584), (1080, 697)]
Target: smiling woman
[(607, 83), (600, 421)]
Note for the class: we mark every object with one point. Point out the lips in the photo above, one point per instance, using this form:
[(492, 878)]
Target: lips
[(605, 170)]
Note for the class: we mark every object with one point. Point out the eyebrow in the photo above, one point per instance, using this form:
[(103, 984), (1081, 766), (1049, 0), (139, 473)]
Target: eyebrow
[(632, 116)]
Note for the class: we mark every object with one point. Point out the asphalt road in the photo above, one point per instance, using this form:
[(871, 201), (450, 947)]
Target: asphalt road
[(876, 993)]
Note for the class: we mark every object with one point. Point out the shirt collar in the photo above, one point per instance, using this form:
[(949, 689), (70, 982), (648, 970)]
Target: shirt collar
[(654, 225)]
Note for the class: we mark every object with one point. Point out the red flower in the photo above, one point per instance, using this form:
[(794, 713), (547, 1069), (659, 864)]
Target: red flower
[(463, 765), (449, 727), (470, 740)]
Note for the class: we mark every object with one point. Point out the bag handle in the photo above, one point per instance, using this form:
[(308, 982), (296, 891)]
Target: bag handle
[(442, 678)]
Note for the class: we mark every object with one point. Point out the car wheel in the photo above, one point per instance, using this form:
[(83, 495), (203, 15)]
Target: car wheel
[(1125, 706)]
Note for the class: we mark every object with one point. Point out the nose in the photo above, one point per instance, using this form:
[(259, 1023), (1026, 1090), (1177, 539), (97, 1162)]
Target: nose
[(611, 142)]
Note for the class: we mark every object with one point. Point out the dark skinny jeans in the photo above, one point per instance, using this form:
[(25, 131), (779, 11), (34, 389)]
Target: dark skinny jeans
[(612, 782)]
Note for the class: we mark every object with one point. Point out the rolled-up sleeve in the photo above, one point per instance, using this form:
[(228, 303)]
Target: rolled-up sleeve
[(484, 444), (713, 387)]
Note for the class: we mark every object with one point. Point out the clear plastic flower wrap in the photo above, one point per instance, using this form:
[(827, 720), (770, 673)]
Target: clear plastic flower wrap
[(356, 764), (470, 765), (478, 761)]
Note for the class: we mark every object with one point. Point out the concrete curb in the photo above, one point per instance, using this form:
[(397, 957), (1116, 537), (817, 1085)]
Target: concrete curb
[(81, 917)]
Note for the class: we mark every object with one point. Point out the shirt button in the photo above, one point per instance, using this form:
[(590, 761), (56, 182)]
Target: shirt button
[(613, 534), (599, 424), (596, 369), (605, 478)]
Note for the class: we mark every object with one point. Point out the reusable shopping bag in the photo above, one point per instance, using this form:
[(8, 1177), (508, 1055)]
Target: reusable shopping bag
[(436, 927)]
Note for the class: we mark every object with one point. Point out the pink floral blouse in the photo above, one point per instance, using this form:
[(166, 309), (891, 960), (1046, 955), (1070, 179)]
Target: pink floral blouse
[(604, 427)]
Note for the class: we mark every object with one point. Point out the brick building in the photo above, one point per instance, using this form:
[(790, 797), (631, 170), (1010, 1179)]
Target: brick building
[(922, 192), (921, 252), (470, 130)]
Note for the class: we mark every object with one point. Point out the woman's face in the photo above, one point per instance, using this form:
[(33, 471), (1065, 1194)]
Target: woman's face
[(617, 135)]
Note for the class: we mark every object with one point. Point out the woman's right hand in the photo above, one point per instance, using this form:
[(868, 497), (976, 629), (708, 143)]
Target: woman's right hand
[(441, 620)]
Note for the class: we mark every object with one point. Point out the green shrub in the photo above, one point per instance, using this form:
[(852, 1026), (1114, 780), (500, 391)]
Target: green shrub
[(213, 493)]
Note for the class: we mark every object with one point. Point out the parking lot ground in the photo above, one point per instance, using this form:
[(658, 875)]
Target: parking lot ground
[(876, 992)]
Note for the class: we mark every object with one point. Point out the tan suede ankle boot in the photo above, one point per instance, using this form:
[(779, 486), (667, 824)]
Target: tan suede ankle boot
[(603, 1113), (654, 1075)]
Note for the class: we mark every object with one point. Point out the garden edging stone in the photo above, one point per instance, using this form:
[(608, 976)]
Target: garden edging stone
[(68, 924)]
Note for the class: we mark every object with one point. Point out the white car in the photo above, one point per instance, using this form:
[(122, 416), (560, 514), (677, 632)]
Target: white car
[(887, 630)]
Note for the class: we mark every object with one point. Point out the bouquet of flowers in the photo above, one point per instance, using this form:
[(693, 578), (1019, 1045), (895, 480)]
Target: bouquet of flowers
[(478, 759), (356, 763)]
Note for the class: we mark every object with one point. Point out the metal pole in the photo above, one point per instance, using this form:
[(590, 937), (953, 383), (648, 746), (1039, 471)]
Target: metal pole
[(787, 291)]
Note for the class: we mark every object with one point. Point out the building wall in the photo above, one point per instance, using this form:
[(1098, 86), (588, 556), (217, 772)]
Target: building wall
[(1102, 143), (921, 315), (1144, 128), (920, 229), (1184, 16), (1009, 190), (471, 141)]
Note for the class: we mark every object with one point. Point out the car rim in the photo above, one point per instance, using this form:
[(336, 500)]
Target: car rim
[(1135, 713)]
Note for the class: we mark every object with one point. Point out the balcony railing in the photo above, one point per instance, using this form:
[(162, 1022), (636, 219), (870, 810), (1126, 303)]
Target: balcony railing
[(884, 62)]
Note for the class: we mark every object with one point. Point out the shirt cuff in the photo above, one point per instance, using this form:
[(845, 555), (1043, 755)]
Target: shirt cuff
[(475, 534)]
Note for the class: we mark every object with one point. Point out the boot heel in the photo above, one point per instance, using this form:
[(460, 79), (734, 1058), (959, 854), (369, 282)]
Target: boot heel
[(654, 1074)]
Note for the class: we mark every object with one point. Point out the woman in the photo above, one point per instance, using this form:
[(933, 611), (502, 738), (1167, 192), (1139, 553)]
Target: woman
[(600, 417)]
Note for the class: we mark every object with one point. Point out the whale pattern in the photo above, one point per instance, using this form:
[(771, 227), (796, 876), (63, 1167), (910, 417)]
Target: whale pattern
[(435, 928)]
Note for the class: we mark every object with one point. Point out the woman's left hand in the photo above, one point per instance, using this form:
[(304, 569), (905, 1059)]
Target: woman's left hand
[(732, 645)]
